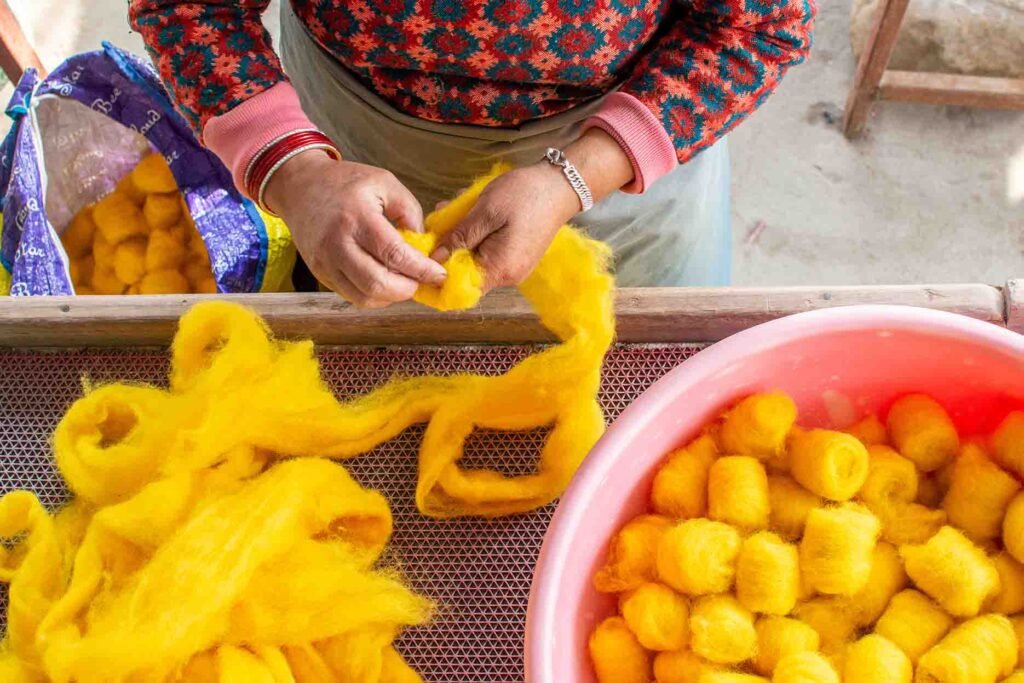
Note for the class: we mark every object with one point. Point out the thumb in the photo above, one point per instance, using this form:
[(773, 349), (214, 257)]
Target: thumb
[(480, 222)]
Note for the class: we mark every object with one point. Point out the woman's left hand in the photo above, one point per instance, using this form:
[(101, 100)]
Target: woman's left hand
[(517, 215)]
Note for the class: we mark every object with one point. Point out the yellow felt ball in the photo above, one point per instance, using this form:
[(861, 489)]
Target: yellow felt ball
[(1018, 628), (758, 425), (929, 492), (722, 630), (921, 431), (616, 654), (164, 252), (102, 251), (153, 175), (729, 677), (838, 547), (698, 556), (632, 554), (869, 431), (1010, 597), (876, 659), (1013, 528), (979, 493), (981, 650), (104, 281), (790, 504), (805, 667), (891, 478), (831, 464), (126, 187), (1015, 677), (163, 282), (680, 487), (1008, 443), (767, 574), (117, 218), (657, 616), (738, 492), (887, 578), (681, 666), (77, 237), (833, 620), (953, 571), (909, 523), (913, 623), (162, 211), (130, 260), (781, 636)]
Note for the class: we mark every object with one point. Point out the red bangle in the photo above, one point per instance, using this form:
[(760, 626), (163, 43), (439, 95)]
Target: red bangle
[(269, 159)]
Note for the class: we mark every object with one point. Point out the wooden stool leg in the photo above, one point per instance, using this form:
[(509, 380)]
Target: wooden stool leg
[(872, 65), (16, 54)]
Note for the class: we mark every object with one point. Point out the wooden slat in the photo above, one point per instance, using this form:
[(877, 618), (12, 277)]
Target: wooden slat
[(644, 315), (871, 66), (16, 53), (1015, 305), (954, 89)]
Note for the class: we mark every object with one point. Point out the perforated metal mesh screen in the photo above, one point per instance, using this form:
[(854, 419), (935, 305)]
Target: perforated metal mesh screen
[(478, 571)]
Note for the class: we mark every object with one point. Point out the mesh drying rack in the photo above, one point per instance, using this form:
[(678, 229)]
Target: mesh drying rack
[(478, 571)]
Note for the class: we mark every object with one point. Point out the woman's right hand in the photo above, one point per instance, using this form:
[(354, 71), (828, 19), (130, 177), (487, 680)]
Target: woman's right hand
[(342, 217)]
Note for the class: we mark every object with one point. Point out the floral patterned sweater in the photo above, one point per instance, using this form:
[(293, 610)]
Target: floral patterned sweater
[(684, 72)]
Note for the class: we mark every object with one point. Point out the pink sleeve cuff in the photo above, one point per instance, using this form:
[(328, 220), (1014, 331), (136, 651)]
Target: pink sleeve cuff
[(641, 136), (237, 135)]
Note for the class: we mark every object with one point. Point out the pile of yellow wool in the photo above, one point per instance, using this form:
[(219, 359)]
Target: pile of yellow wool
[(139, 239), (887, 553)]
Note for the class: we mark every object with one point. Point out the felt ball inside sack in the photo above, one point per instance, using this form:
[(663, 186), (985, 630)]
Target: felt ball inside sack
[(875, 659), (790, 504), (102, 251), (163, 282), (680, 487), (1009, 599), (164, 252), (914, 623), (887, 578), (758, 425), (153, 175), (657, 616), (869, 431), (980, 650), (130, 260), (84, 290), (84, 268), (104, 281), (722, 630), (78, 236), (781, 636), (126, 187), (117, 218), (891, 478), (837, 548), (767, 574), (207, 286), (161, 210), (1013, 528), (1008, 443), (833, 465), (196, 271), (632, 555), (952, 571), (617, 655), (980, 492), (698, 556), (681, 666), (805, 667), (922, 431), (738, 492)]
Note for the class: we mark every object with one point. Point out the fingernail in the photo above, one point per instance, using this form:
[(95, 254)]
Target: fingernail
[(441, 254), (438, 274)]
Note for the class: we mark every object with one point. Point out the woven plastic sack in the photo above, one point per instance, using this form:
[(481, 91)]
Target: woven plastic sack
[(76, 134)]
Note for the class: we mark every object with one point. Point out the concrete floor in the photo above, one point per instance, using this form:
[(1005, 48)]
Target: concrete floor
[(929, 194)]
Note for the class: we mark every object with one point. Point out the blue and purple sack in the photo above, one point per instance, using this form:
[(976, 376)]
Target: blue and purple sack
[(76, 134)]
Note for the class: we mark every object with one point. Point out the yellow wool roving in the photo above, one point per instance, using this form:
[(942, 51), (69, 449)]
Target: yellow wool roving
[(869, 431), (1013, 528), (1010, 597), (981, 650), (617, 655), (891, 478), (680, 487), (886, 579), (805, 667), (781, 636), (914, 623), (632, 555), (698, 556), (738, 492), (909, 523), (729, 677), (837, 549), (1018, 628), (790, 504), (758, 425), (722, 630), (1008, 443), (833, 465), (657, 616), (832, 619), (979, 493), (953, 571), (875, 659), (767, 574), (681, 666), (922, 431)]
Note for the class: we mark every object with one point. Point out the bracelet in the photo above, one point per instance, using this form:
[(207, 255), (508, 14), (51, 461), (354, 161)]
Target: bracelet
[(273, 156), (557, 158)]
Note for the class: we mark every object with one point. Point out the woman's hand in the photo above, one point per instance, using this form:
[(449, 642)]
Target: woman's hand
[(341, 217), (517, 215)]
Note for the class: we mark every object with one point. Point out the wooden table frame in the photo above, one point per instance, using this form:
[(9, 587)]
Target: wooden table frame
[(16, 53), (644, 315), (874, 80)]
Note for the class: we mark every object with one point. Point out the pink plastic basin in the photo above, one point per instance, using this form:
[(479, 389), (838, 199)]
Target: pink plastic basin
[(837, 364)]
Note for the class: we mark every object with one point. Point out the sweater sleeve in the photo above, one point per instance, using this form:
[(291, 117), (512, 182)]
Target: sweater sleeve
[(714, 63), (211, 54)]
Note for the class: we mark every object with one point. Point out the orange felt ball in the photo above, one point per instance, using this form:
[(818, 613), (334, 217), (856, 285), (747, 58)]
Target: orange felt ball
[(163, 282)]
